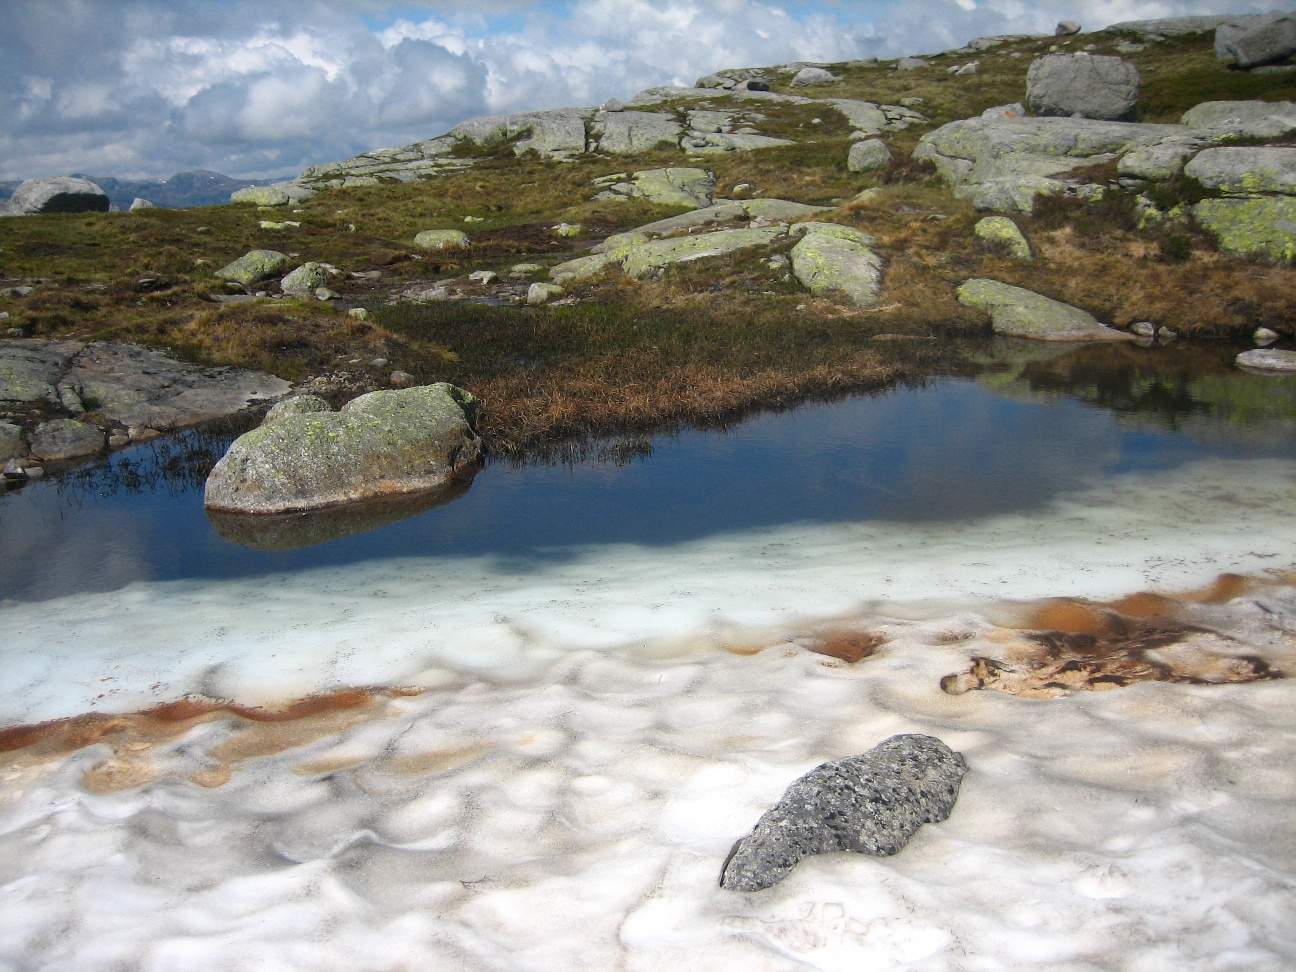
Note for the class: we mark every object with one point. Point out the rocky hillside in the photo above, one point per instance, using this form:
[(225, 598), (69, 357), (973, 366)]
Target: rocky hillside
[(765, 234)]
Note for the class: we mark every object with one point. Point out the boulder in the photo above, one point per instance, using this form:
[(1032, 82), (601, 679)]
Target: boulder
[(910, 64), (1246, 171), (1160, 161), (1254, 119), (825, 262), (836, 230), (578, 269), (553, 133), (869, 804), (304, 280), (1066, 28), (253, 266), (261, 196), (1004, 232), (66, 439), (649, 259), (541, 293), (1263, 359), (688, 187), (707, 142), (139, 203), (630, 132), (1264, 227), (297, 405), (812, 75), (57, 194), (384, 443), (11, 442), (1091, 86), (1016, 312), (1262, 44), (441, 240), (1175, 26), (869, 154)]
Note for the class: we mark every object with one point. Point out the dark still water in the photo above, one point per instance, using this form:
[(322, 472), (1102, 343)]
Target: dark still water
[(1035, 422)]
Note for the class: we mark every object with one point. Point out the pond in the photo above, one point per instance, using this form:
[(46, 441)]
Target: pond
[(1034, 424)]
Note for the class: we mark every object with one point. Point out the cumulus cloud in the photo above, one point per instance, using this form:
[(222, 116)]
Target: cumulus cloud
[(149, 87)]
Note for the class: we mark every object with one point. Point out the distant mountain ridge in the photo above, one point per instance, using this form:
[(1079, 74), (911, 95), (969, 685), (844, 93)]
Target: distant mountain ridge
[(200, 187)]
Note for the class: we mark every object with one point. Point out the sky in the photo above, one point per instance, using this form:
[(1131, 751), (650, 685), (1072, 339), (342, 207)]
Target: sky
[(264, 88)]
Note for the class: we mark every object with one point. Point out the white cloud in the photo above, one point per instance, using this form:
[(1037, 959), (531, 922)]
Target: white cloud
[(130, 87)]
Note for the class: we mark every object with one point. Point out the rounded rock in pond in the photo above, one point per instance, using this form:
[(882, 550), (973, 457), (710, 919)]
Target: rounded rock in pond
[(869, 804), (66, 439), (385, 443), (1267, 360)]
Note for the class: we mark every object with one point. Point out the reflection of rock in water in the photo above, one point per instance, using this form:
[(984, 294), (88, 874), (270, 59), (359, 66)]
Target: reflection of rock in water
[(285, 531)]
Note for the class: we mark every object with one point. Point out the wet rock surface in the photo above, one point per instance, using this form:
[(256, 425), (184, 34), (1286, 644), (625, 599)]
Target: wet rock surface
[(869, 804)]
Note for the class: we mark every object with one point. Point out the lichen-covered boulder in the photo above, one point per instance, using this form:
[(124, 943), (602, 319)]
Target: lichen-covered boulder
[(1004, 232), (297, 405), (836, 230), (1092, 86), (261, 196), (826, 262), (1017, 312), (1255, 119), (675, 186), (30, 369), (871, 153), (1246, 171), (1265, 226), (441, 239), (1264, 359), (649, 259), (1160, 161), (580, 268), (253, 266), (66, 439), (305, 279), (541, 293), (57, 194), (382, 444), (869, 804)]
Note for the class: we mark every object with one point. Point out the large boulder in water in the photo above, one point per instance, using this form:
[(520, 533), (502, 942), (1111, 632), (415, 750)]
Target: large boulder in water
[(1091, 86), (57, 194), (386, 443), (869, 804)]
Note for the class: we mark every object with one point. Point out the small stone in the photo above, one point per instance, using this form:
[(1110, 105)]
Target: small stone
[(525, 267), (378, 363), (540, 293), (253, 266), (1165, 334), (484, 277), (967, 69), (118, 440), (1263, 336), (910, 64), (1144, 329), (66, 439), (359, 313), (911, 102), (20, 291), (305, 279), (140, 203), (14, 332), (1003, 231), (141, 433), (35, 472), (441, 239), (612, 104), (567, 229), (400, 379), (12, 470), (323, 293), (869, 804), (474, 219)]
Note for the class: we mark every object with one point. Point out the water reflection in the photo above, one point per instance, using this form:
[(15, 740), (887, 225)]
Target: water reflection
[(1031, 423)]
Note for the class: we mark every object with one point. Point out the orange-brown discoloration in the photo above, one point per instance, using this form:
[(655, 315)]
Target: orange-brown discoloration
[(848, 646)]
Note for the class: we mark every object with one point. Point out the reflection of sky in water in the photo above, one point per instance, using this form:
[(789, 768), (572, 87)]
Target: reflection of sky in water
[(953, 450)]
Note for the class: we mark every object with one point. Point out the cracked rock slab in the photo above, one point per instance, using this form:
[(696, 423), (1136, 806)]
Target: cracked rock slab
[(30, 369), (1017, 312)]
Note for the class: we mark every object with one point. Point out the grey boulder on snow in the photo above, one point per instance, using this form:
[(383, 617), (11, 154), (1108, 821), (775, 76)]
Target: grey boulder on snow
[(869, 804), (1091, 86)]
